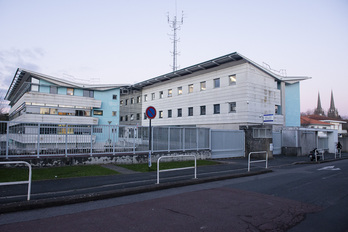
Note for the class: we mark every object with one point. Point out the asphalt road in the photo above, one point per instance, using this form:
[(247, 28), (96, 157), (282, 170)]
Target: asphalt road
[(308, 197)]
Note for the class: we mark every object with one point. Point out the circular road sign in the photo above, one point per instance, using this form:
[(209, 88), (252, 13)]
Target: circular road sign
[(150, 112)]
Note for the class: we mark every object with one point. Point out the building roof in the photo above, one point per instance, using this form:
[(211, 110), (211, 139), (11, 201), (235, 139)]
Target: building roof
[(325, 119), (22, 75), (229, 58), (306, 121)]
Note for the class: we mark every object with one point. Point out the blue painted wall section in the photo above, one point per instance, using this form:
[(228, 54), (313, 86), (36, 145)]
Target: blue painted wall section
[(108, 105), (292, 105)]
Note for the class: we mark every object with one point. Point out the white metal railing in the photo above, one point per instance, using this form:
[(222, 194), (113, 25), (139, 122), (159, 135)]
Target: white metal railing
[(20, 182), (338, 152), (319, 152), (176, 169), (257, 161)]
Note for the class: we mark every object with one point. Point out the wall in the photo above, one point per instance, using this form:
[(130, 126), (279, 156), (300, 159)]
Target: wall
[(292, 105), (117, 159), (255, 94), (107, 106)]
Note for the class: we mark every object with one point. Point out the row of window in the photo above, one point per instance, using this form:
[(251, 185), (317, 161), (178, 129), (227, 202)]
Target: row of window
[(203, 86), (69, 91), (203, 111), (84, 113), (130, 117)]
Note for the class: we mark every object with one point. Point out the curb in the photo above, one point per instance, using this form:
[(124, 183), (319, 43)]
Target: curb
[(59, 201)]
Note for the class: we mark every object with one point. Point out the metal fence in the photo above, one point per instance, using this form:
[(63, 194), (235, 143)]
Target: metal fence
[(39, 140)]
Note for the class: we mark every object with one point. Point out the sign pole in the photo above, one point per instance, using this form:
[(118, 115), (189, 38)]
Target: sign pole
[(150, 113), (150, 144)]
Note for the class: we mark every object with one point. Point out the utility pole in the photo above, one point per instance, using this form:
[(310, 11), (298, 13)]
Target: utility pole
[(175, 25)]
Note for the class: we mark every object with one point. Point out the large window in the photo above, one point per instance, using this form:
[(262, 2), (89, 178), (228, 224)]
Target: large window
[(161, 94), (138, 99), (114, 97), (88, 93), (217, 109), (170, 92), (217, 83), (153, 96), (69, 91), (203, 86), (44, 110), (232, 79), (203, 112), (169, 113), (232, 106), (145, 97)]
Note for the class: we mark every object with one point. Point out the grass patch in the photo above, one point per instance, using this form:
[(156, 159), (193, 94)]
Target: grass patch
[(166, 165), (20, 174)]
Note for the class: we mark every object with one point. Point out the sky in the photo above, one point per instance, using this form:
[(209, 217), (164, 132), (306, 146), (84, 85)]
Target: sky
[(128, 41)]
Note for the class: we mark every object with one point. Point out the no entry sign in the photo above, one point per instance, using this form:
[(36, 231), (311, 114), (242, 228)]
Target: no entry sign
[(150, 112)]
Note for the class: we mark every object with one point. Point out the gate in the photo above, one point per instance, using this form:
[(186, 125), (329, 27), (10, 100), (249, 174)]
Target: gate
[(227, 143), (277, 143)]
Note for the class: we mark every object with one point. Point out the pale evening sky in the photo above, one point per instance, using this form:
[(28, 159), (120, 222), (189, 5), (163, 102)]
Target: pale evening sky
[(127, 41)]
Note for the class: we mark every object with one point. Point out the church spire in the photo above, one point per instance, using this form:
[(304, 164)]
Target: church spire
[(332, 113), (319, 110)]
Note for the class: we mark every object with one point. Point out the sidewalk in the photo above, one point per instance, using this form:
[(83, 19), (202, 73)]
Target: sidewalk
[(75, 190)]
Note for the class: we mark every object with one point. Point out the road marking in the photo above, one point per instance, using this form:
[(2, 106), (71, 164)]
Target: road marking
[(331, 168)]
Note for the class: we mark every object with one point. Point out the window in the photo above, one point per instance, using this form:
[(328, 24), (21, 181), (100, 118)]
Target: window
[(35, 84), (53, 111), (44, 110), (203, 86), (190, 111), (121, 102), (145, 117), (179, 90), (132, 117), (70, 91), (232, 107), (262, 133), (126, 118), (88, 93), (232, 79), (170, 92), (153, 96), (132, 100), (217, 83), (180, 112), (217, 109), (170, 113), (145, 97), (121, 119), (138, 99), (203, 112), (277, 109), (114, 97), (190, 88), (126, 102), (98, 112), (138, 116), (161, 94), (160, 114), (53, 89), (114, 113)]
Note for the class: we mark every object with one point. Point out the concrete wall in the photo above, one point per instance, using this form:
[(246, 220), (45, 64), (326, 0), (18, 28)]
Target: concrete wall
[(117, 159)]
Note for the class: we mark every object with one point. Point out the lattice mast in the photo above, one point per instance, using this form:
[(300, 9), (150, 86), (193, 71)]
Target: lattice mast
[(175, 25)]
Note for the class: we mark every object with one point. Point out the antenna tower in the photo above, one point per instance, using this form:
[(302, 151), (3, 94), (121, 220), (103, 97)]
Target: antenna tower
[(175, 25)]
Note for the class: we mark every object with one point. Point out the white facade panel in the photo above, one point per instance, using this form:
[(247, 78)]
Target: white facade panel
[(255, 93), (56, 119)]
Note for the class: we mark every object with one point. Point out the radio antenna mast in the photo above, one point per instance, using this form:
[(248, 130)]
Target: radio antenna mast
[(175, 25)]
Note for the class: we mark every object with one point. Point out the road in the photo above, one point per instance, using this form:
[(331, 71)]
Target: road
[(311, 197)]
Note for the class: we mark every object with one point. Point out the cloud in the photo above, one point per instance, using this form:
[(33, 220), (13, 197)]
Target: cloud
[(11, 59)]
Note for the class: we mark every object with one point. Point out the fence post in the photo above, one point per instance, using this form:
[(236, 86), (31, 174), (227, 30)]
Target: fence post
[(183, 139), (197, 138), (113, 130), (7, 137), (91, 153), (134, 138), (66, 140), (168, 139), (38, 140)]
